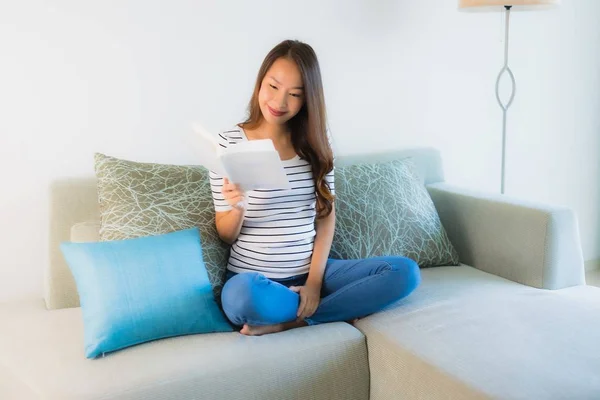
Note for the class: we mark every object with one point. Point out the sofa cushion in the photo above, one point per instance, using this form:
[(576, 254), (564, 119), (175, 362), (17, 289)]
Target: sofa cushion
[(141, 199), (136, 290), (383, 209), (44, 350), (465, 333)]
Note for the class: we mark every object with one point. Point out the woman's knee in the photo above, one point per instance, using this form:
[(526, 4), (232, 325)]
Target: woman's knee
[(407, 275), (254, 299), (238, 295)]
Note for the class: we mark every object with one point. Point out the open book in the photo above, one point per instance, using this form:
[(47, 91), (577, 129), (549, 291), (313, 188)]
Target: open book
[(252, 164)]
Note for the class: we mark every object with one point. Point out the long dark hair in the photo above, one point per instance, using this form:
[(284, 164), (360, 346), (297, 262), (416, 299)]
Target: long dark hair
[(308, 127)]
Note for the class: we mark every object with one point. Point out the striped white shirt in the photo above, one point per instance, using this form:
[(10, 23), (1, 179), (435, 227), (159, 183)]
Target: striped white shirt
[(278, 230)]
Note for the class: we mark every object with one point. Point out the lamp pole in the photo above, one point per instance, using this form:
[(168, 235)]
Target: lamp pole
[(505, 69)]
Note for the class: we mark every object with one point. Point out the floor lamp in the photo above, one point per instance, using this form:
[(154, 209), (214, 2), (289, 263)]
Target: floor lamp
[(506, 7)]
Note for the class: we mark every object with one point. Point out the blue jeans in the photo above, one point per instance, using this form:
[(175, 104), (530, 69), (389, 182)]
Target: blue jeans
[(351, 289)]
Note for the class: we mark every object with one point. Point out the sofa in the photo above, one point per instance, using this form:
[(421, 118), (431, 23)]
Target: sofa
[(515, 320)]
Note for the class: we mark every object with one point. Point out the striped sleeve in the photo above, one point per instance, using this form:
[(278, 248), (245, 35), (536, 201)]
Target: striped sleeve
[(330, 178), (216, 181)]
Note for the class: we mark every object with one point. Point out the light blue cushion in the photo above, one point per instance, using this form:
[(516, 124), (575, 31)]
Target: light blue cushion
[(136, 290)]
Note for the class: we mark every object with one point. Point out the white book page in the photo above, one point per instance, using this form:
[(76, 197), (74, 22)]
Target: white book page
[(208, 149), (255, 164)]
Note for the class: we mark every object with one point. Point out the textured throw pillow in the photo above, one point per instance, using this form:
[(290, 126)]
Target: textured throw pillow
[(137, 290), (384, 209), (142, 199)]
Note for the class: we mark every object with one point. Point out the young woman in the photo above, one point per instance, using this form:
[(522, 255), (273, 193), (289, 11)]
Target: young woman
[(279, 275)]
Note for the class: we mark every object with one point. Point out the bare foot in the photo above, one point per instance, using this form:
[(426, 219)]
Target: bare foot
[(260, 330), (266, 329)]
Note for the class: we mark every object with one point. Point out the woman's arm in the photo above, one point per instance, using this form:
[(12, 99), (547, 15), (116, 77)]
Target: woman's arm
[(310, 293), (325, 228), (229, 224)]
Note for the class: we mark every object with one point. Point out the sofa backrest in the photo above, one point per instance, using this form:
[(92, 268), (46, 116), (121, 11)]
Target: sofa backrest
[(74, 201)]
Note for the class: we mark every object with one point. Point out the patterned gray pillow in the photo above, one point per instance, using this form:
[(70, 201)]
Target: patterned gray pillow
[(384, 209), (143, 199)]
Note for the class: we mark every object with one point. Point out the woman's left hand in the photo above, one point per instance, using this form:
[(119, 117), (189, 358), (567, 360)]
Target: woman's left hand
[(310, 297)]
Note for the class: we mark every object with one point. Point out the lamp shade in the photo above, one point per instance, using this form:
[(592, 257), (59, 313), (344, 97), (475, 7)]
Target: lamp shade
[(498, 5)]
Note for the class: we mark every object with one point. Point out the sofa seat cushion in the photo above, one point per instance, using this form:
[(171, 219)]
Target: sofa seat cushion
[(44, 351), (468, 334)]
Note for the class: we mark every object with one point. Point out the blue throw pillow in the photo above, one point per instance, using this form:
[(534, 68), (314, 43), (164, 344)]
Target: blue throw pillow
[(137, 290)]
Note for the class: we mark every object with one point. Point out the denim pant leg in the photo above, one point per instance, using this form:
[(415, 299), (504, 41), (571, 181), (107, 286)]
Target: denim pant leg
[(251, 298), (357, 288)]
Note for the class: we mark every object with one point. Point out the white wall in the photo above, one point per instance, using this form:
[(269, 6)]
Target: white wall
[(128, 77)]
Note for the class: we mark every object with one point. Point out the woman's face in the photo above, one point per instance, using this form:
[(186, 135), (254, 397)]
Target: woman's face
[(281, 93)]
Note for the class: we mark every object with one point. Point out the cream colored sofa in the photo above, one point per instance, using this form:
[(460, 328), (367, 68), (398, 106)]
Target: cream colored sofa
[(518, 323)]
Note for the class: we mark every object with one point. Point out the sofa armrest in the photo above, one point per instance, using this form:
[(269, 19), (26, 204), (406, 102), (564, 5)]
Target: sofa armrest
[(533, 244), (85, 232)]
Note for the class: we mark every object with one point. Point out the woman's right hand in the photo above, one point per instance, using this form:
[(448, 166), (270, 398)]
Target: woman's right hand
[(233, 194)]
